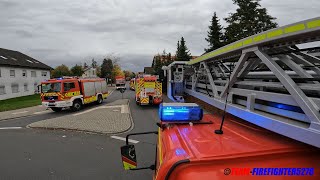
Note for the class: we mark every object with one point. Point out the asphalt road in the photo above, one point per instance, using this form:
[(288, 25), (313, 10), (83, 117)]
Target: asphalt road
[(55, 154)]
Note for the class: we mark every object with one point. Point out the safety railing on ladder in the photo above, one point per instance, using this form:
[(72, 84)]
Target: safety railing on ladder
[(266, 80)]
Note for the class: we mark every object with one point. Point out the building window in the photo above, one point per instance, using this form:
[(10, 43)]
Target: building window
[(12, 73), (25, 86), (3, 57), (44, 74), (15, 88), (29, 61), (68, 86), (33, 74), (24, 73), (2, 90)]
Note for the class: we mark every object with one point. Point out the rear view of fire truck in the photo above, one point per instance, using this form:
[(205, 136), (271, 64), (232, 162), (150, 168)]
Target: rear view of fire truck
[(72, 92), (148, 90), (132, 83)]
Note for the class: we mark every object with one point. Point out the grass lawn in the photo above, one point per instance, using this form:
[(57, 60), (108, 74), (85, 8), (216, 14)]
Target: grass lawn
[(20, 102)]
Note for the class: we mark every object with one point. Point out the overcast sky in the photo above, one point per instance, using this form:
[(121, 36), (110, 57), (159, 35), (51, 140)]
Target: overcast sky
[(75, 31)]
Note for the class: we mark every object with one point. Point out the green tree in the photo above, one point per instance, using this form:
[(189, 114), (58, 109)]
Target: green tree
[(116, 71), (249, 19), (215, 36), (106, 68), (182, 54), (60, 71), (94, 63), (127, 73), (164, 55), (76, 70), (132, 75), (168, 59), (158, 66), (98, 68)]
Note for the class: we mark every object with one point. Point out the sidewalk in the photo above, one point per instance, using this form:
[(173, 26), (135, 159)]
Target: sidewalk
[(112, 118)]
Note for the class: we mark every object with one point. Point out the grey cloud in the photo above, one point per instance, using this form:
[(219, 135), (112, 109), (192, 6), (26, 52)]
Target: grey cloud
[(75, 31), (7, 4), (24, 34)]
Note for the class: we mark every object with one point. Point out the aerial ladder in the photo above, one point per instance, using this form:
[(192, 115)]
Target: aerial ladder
[(267, 79), (264, 79)]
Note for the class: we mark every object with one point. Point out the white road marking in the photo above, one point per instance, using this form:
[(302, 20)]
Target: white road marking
[(124, 139), (124, 109), (110, 92), (21, 112), (3, 128), (40, 112)]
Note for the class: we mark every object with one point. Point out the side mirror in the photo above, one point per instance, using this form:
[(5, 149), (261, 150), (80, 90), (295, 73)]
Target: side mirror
[(128, 154), (129, 158)]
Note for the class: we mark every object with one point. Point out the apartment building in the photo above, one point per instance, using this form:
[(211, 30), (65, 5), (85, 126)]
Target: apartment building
[(20, 74)]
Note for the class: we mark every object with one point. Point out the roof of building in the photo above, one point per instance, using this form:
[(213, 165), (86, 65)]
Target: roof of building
[(15, 58)]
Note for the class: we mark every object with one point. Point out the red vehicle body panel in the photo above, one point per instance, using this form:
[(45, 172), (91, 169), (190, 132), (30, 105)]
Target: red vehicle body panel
[(204, 155)]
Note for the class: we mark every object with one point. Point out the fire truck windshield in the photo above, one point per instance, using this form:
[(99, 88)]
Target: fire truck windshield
[(51, 87)]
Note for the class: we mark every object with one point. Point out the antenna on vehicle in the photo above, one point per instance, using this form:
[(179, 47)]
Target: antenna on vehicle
[(219, 131)]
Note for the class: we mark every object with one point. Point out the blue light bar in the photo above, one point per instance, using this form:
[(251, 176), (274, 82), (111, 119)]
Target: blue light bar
[(59, 78), (174, 112)]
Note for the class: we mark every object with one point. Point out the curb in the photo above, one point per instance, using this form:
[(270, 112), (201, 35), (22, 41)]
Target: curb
[(7, 119), (131, 120)]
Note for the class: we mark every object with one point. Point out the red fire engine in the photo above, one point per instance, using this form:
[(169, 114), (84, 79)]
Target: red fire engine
[(72, 92)]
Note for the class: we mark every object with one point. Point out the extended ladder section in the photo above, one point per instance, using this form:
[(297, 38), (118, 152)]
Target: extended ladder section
[(266, 80)]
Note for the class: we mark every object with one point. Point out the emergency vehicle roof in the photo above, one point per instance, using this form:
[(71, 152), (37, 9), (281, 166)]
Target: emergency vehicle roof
[(204, 154)]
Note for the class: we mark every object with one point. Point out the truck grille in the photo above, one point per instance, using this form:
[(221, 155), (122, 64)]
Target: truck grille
[(50, 97)]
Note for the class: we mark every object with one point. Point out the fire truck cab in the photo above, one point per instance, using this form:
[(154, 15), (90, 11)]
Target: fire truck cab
[(189, 149), (72, 92), (120, 82)]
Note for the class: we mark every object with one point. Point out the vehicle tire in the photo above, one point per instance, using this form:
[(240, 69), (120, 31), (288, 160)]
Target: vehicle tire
[(56, 109), (76, 106), (100, 99)]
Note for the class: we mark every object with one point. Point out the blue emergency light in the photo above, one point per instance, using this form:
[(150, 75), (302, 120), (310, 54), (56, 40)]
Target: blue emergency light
[(175, 112)]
